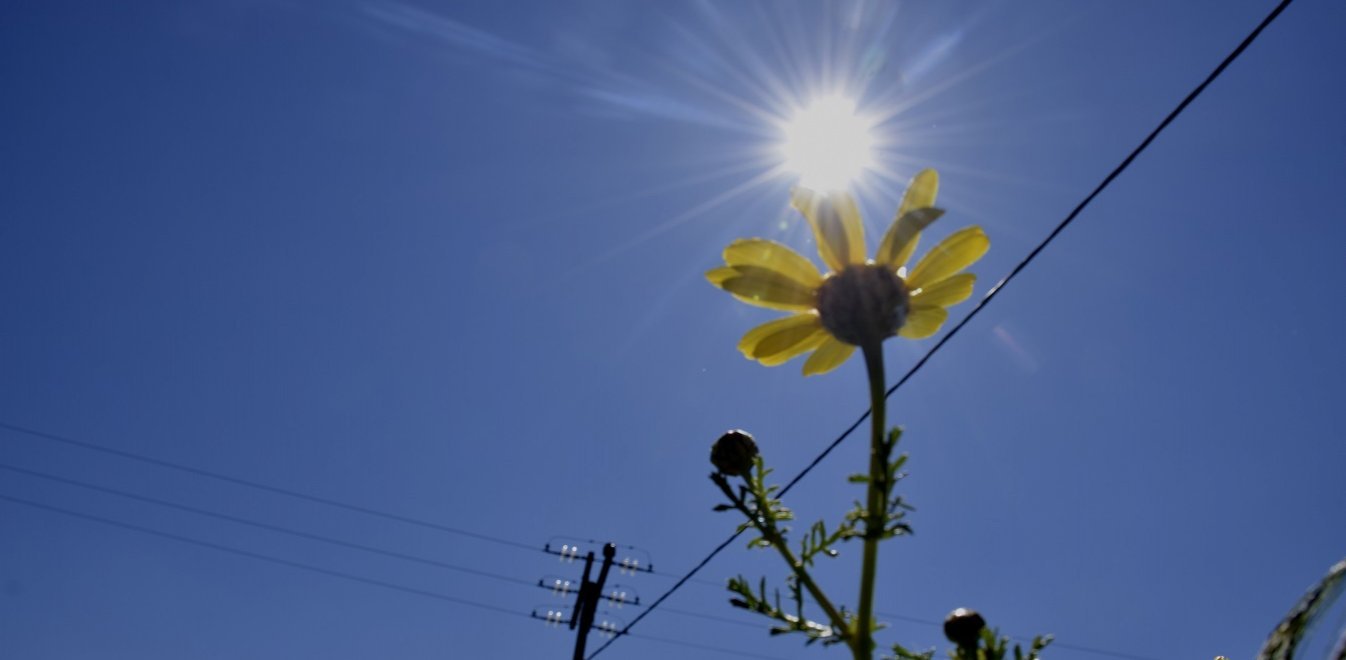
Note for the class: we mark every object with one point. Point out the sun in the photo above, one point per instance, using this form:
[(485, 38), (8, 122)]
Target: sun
[(827, 144)]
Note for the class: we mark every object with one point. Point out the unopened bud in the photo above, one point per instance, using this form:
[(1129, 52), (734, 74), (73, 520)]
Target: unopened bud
[(963, 627), (733, 453)]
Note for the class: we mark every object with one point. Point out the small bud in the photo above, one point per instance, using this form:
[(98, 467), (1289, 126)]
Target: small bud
[(963, 627), (733, 453)]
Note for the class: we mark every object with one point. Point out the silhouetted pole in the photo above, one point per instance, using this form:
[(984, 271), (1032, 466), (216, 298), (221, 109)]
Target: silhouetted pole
[(589, 594)]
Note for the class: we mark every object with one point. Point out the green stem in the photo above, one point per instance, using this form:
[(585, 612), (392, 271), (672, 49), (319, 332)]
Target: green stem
[(802, 574), (876, 506), (767, 527)]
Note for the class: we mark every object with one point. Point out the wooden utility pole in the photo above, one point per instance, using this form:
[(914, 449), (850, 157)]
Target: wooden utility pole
[(582, 616)]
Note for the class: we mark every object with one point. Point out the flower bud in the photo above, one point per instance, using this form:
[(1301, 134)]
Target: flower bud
[(963, 627), (733, 453)]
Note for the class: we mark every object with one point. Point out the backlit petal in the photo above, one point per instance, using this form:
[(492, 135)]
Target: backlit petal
[(762, 287), (772, 256), (717, 276), (923, 322), (903, 234), (950, 291), (960, 250), (921, 191), (836, 225), (777, 341), (828, 356)]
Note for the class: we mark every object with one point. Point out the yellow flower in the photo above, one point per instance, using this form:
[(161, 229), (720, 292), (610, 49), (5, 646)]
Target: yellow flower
[(860, 301)]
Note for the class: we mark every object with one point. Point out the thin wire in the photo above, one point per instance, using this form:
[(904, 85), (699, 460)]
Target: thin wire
[(264, 487), (323, 539), (339, 574), (267, 526), (1126, 162), (262, 557), (703, 647), (1056, 644), (674, 576), (1096, 651), (664, 596), (710, 617)]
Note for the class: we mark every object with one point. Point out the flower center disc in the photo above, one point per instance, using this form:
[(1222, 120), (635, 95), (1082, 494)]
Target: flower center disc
[(863, 304)]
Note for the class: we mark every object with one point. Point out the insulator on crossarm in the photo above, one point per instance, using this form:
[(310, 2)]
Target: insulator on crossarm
[(554, 617)]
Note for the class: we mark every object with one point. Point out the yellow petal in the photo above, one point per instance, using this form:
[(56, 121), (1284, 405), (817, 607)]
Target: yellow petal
[(960, 250), (763, 287), (920, 193), (717, 276), (828, 356), (903, 234), (923, 322), (773, 256), (775, 342), (836, 226), (799, 348), (950, 291)]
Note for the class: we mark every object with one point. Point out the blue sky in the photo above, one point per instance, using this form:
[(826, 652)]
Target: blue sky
[(445, 260)]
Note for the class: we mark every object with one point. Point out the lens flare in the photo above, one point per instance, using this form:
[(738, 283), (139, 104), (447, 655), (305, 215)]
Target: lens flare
[(828, 145)]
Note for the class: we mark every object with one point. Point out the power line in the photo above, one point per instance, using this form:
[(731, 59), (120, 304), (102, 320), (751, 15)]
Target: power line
[(412, 558), (420, 560), (264, 487), (1097, 651), (267, 526), (712, 617), (259, 556), (704, 647), (1056, 643), (340, 574), (674, 576), (323, 539), (995, 290)]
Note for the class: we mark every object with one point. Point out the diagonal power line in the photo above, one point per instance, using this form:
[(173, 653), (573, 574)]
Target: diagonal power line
[(1014, 272)]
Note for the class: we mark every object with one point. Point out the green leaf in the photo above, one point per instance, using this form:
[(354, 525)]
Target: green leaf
[(1282, 643)]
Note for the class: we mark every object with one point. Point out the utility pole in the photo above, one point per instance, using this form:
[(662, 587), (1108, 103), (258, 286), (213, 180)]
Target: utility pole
[(587, 602), (584, 613)]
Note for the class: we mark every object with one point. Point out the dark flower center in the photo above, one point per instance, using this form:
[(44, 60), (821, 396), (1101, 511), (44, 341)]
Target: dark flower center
[(863, 304)]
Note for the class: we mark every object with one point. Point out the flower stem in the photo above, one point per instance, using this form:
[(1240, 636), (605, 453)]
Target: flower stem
[(834, 617), (876, 505), (767, 527)]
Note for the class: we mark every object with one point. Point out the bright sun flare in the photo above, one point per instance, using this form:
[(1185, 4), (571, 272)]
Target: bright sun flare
[(827, 144)]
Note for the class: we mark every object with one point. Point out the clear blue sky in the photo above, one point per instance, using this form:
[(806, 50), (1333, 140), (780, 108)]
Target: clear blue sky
[(445, 260)]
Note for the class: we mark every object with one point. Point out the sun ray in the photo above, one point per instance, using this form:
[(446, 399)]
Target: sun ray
[(677, 220)]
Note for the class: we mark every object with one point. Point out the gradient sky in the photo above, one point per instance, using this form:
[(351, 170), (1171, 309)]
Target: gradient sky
[(444, 260)]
